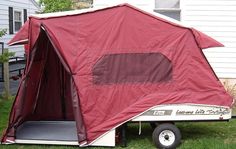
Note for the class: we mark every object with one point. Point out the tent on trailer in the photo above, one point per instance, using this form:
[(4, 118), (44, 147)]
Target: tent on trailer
[(102, 68)]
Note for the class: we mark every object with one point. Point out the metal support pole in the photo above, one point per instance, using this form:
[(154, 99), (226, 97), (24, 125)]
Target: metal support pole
[(123, 133)]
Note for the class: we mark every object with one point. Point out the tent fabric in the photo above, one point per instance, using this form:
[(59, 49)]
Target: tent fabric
[(22, 36), (90, 47)]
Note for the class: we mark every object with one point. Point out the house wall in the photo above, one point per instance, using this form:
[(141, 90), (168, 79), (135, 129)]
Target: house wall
[(216, 18), (4, 19), (142, 4)]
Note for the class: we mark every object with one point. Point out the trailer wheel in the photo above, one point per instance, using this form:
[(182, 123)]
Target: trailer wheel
[(153, 125), (166, 136)]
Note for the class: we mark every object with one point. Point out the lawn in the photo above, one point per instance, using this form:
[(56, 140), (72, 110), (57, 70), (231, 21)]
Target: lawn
[(207, 135)]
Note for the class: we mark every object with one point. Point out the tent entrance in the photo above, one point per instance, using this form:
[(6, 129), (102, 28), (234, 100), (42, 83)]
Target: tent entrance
[(51, 116)]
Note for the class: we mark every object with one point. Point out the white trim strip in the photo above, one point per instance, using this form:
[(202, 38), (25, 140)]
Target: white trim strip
[(9, 141), (19, 41), (46, 142)]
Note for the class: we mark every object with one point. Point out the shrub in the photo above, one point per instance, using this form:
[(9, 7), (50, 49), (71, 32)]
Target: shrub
[(231, 89)]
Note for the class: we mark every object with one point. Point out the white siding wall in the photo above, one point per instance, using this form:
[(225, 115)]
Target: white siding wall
[(216, 18), (4, 19), (142, 4)]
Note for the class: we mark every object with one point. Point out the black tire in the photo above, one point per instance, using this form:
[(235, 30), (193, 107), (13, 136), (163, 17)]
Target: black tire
[(153, 125), (166, 136)]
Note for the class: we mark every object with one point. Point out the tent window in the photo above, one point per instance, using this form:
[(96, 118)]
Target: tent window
[(132, 68)]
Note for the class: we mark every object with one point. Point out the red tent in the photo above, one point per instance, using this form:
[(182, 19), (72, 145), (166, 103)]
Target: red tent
[(104, 67)]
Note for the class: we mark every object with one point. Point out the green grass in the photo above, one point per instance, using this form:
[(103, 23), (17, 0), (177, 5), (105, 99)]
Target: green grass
[(198, 135)]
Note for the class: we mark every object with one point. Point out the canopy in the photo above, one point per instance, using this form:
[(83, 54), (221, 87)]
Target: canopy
[(105, 67)]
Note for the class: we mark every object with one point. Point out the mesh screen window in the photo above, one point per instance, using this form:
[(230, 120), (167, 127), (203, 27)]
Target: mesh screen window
[(132, 68)]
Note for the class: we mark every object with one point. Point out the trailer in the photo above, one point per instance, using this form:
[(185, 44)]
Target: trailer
[(166, 134), (90, 72), (161, 118)]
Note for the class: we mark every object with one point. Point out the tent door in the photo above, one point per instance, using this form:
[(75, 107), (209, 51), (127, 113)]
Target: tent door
[(51, 118)]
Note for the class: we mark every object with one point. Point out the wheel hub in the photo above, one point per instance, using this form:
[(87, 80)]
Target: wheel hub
[(167, 137)]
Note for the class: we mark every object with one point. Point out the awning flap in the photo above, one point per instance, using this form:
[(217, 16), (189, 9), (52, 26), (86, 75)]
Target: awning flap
[(21, 37), (205, 41)]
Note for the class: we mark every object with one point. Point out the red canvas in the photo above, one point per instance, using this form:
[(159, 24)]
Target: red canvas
[(109, 66)]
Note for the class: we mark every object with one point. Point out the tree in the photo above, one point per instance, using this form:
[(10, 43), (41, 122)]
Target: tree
[(4, 58), (64, 5), (56, 5), (6, 55), (3, 32), (81, 4)]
